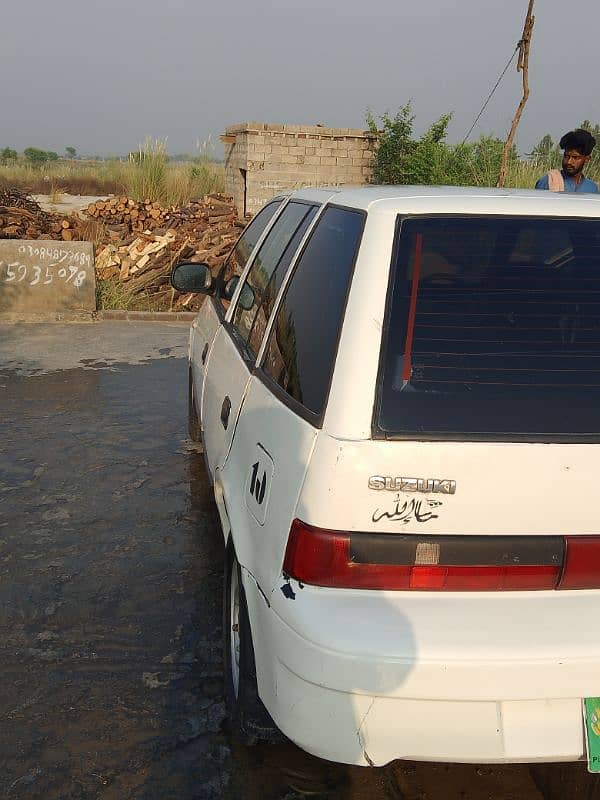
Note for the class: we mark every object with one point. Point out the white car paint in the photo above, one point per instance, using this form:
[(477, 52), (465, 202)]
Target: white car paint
[(361, 676)]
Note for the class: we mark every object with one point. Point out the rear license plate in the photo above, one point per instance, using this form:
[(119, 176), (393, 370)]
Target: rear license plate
[(591, 713)]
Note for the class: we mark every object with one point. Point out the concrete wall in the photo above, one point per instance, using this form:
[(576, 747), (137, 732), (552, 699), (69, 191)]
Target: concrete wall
[(262, 160), (43, 275)]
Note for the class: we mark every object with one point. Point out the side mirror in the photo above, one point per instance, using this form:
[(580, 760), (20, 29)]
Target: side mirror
[(188, 277), (246, 298)]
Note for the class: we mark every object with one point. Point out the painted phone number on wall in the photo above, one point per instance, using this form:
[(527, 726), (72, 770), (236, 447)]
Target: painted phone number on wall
[(16, 272)]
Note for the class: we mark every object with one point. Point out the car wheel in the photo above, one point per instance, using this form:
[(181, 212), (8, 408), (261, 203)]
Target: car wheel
[(193, 421), (250, 721), (560, 781)]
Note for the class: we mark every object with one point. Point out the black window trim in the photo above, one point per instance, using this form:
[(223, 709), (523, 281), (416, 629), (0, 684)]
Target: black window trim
[(216, 300), (249, 357), (380, 434), (313, 418), (218, 306)]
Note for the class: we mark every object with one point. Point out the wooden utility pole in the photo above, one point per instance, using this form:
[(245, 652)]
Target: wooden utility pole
[(522, 66)]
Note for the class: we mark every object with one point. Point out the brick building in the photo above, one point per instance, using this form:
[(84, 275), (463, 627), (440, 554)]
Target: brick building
[(262, 160)]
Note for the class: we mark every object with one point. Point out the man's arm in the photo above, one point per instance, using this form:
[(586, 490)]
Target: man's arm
[(542, 183)]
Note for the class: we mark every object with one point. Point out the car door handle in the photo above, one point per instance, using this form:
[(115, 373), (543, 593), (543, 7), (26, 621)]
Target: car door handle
[(204, 353), (225, 411)]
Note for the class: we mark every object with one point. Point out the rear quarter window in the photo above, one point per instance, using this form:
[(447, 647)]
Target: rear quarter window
[(493, 329), (302, 344)]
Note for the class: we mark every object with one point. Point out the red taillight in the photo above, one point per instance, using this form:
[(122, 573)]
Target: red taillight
[(484, 579), (582, 563), (324, 558), (317, 556)]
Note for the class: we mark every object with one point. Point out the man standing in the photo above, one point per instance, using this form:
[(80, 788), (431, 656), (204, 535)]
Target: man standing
[(577, 146)]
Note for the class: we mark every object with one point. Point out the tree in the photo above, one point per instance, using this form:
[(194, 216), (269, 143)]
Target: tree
[(402, 159), (38, 157), (546, 153), (34, 155), (71, 152), (594, 164)]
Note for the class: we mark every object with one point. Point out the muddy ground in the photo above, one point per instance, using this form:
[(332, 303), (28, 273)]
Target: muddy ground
[(110, 593)]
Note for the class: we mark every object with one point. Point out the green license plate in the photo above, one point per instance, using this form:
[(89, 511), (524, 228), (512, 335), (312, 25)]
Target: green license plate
[(591, 712)]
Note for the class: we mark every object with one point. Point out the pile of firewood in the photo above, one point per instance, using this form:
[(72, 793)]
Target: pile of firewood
[(138, 217), (22, 218), (137, 244), (144, 264)]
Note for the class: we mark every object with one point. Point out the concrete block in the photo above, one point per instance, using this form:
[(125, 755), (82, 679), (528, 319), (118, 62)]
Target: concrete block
[(45, 275), (328, 161), (328, 173)]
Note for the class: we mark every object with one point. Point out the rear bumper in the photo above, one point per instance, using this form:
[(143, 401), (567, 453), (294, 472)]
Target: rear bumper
[(372, 730), (345, 688)]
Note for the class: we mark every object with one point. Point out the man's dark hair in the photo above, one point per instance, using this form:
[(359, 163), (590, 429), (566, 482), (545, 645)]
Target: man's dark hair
[(580, 140)]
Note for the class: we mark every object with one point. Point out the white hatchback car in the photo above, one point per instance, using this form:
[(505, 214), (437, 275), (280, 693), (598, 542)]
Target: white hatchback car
[(398, 390)]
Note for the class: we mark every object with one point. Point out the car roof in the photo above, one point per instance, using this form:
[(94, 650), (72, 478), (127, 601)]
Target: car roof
[(455, 200)]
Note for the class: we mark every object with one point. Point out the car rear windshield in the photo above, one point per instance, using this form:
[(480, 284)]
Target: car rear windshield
[(493, 329)]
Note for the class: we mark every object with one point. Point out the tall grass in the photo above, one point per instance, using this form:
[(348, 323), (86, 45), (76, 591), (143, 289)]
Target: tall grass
[(113, 295), (147, 173), (150, 177), (74, 177), (147, 170)]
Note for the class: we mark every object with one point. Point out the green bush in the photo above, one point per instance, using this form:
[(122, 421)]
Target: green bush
[(401, 158), (37, 157)]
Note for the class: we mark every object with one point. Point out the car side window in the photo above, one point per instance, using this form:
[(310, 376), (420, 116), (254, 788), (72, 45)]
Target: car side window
[(235, 263), (302, 344), (276, 252)]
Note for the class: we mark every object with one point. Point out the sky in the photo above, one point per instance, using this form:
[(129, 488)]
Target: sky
[(102, 76)]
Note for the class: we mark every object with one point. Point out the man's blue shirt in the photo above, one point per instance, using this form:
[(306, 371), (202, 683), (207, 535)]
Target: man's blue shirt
[(586, 185)]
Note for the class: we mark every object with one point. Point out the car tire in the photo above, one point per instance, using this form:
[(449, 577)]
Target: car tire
[(561, 781), (193, 420), (249, 719)]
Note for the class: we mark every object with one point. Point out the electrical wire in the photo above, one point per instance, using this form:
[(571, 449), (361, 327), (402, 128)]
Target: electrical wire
[(491, 94)]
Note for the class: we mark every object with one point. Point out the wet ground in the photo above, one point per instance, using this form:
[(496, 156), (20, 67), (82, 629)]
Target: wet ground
[(110, 592)]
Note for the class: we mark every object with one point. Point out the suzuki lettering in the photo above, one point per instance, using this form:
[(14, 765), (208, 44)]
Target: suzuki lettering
[(425, 485)]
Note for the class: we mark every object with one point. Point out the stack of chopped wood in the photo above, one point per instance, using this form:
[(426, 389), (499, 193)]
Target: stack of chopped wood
[(138, 251), (137, 217), (14, 198), (22, 218), (143, 264)]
